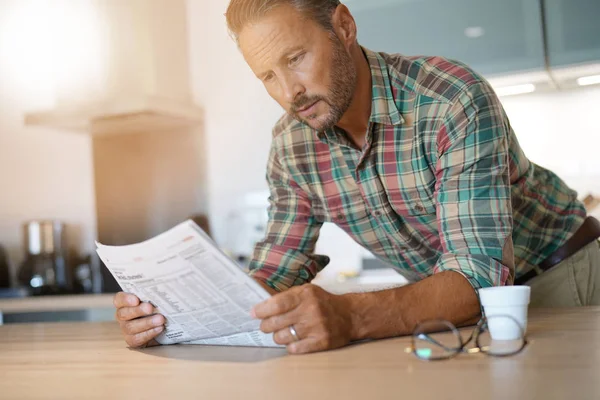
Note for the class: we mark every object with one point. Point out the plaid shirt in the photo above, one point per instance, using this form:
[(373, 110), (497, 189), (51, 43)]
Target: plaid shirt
[(440, 185)]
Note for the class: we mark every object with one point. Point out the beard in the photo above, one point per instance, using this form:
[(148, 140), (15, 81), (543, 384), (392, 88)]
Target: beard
[(343, 84)]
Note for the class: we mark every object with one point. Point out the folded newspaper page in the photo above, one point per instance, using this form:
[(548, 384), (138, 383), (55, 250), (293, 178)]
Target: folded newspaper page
[(204, 295)]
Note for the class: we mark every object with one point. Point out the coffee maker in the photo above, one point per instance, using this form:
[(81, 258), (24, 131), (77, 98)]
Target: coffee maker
[(44, 270)]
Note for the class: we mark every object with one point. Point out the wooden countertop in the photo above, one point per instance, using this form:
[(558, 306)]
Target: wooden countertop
[(91, 361), (56, 303)]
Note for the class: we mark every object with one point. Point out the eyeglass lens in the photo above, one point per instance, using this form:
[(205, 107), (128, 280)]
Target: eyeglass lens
[(436, 340)]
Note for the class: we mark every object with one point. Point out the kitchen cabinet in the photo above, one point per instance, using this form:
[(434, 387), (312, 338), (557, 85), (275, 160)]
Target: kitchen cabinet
[(493, 37), (573, 29)]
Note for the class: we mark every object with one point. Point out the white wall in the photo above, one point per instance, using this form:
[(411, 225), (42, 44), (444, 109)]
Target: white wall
[(43, 173), (240, 115)]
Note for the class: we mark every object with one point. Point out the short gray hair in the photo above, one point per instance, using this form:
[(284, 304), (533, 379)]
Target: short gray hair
[(241, 12)]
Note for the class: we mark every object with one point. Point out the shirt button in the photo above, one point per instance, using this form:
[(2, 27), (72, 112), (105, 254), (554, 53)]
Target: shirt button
[(378, 213), (340, 217), (419, 208)]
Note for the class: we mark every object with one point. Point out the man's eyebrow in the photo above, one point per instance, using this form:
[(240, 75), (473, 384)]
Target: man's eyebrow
[(291, 50), (261, 75), (284, 55)]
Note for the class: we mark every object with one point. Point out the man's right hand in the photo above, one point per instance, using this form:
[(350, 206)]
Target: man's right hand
[(139, 323)]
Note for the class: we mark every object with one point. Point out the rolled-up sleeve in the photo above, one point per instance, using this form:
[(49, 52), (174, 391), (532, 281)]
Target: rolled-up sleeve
[(285, 257), (473, 190)]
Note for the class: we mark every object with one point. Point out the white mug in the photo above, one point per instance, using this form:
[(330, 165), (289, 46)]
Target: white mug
[(511, 301)]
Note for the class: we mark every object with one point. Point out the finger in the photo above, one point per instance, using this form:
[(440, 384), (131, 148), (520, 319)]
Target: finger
[(279, 322), (308, 345), (284, 336), (123, 299), (278, 304), (129, 313), (143, 338), (140, 325)]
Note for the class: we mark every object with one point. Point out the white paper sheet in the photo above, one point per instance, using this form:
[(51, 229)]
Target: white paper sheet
[(205, 297)]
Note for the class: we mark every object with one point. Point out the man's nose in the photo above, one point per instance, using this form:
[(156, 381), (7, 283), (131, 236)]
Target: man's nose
[(291, 89)]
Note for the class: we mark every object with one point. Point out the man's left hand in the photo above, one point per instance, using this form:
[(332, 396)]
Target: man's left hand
[(322, 321)]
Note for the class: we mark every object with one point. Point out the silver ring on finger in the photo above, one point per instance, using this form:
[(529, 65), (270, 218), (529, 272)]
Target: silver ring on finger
[(294, 333)]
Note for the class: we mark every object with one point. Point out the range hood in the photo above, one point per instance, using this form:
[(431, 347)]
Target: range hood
[(140, 70), (143, 114)]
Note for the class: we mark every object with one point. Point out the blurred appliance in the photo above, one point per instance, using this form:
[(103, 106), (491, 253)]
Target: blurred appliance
[(4, 269), (247, 225), (87, 274), (44, 270)]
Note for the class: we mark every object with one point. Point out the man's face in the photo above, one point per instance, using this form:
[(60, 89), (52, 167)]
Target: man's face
[(305, 68)]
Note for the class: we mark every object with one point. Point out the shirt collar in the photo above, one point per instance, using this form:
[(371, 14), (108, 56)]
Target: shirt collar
[(383, 107)]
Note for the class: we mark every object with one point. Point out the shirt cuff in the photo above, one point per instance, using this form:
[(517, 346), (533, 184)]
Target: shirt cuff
[(282, 278), (480, 270)]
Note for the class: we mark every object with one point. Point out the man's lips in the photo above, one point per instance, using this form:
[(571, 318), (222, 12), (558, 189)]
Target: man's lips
[(308, 110)]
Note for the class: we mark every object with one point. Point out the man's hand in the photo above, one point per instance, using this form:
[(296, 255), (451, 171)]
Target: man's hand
[(325, 321), (139, 323), (322, 320)]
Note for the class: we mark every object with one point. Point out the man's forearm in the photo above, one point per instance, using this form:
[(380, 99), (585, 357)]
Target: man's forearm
[(396, 312)]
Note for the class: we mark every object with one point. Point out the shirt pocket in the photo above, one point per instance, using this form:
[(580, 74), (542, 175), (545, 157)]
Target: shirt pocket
[(413, 203), (350, 218), (410, 194)]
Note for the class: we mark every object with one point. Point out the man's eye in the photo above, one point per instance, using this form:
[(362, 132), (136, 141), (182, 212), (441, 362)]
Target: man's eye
[(297, 59)]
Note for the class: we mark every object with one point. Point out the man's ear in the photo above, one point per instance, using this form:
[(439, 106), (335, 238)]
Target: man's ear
[(344, 25)]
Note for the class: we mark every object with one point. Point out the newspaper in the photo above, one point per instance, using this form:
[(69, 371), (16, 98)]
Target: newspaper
[(204, 295)]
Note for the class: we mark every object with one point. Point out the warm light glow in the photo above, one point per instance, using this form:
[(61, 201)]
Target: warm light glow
[(60, 43), (588, 80), (516, 89)]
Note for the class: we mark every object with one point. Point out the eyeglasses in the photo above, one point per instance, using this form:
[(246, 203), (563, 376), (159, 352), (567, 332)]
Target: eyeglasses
[(440, 340)]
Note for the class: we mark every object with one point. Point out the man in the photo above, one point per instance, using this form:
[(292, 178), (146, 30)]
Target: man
[(415, 159)]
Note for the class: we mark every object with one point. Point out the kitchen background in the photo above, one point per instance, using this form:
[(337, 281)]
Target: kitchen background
[(122, 118)]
